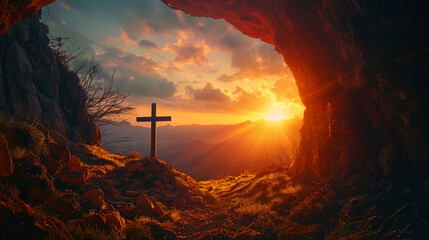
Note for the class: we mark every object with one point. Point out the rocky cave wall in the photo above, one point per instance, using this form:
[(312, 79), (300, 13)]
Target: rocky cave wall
[(36, 85), (361, 67)]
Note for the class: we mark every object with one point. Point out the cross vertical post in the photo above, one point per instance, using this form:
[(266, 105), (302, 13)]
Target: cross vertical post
[(153, 119), (153, 132)]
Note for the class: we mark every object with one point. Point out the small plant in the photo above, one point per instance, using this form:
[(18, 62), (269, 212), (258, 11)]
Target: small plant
[(368, 226), (37, 143), (138, 231), (248, 208), (66, 52), (19, 152)]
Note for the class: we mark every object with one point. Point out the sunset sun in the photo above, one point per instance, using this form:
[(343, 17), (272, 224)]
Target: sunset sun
[(275, 115)]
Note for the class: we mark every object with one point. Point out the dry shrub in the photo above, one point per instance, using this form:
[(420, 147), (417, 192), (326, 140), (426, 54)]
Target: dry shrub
[(249, 208), (37, 143), (319, 207), (280, 227), (18, 152), (138, 231), (368, 226)]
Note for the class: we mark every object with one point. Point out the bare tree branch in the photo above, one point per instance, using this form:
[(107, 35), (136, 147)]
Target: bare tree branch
[(104, 103)]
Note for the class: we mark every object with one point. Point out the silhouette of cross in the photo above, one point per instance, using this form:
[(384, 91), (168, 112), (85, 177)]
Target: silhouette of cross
[(153, 119)]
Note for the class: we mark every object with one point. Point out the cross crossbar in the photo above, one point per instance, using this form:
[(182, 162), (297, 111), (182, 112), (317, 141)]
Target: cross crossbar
[(157, 119), (153, 119)]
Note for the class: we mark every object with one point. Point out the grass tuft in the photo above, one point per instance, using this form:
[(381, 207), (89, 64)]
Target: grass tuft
[(37, 143), (247, 208), (94, 233), (368, 226)]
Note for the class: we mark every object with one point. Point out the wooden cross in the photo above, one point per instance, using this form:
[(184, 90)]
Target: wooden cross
[(153, 119)]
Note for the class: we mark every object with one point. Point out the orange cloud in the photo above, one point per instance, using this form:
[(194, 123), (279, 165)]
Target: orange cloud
[(188, 53), (124, 38), (208, 93)]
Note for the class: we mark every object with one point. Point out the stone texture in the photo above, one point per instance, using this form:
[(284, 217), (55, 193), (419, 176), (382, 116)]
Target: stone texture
[(66, 206), (36, 85), (12, 11), (74, 173), (361, 69), (19, 221), (56, 159), (6, 165), (33, 180), (96, 197), (148, 181)]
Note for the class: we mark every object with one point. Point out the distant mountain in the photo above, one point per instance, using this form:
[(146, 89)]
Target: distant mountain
[(206, 151)]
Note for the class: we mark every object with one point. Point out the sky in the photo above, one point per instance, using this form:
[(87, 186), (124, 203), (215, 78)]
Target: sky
[(197, 70)]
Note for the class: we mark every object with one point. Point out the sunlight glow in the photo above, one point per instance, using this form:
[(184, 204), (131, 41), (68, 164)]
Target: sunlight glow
[(275, 115)]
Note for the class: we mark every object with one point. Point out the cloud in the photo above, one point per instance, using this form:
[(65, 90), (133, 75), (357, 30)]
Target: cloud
[(188, 53), (135, 74), (208, 93), (76, 38), (124, 38), (285, 89), (145, 43), (226, 78), (213, 99), (252, 59), (250, 100)]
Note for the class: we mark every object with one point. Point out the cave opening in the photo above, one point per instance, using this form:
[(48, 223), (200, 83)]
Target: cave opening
[(236, 91), (360, 68)]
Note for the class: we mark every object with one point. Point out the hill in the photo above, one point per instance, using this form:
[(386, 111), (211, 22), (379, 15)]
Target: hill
[(206, 151)]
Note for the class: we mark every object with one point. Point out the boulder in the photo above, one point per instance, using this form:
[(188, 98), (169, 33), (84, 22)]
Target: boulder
[(157, 210), (6, 165), (96, 197), (33, 180), (19, 221), (197, 200), (128, 211), (57, 158), (135, 166), (73, 164), (145, 204), (181, 184), (131, 193), (74, 178), (66, 206), (74, 174)]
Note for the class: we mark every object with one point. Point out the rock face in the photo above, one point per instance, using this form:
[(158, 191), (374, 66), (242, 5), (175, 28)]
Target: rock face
[(12, 11), (35, 85), (19, 221), (6, 165), (361, 68)]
